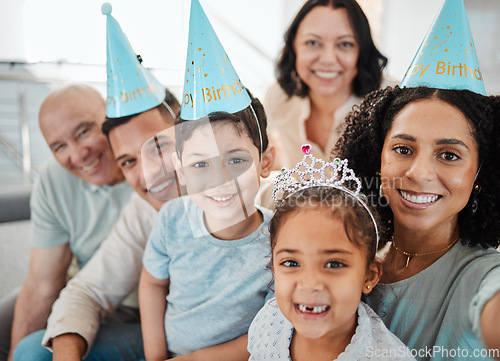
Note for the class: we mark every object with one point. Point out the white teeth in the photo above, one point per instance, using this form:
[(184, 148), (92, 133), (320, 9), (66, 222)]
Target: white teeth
[(91, 166), (222, 199), (315, 309), (418, 199), (162, 186), (327, 74)]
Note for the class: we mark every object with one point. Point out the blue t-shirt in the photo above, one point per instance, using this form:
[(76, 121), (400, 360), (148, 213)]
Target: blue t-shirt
[(216, 286)]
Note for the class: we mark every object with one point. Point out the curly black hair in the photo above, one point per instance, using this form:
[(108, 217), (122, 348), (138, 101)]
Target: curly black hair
[(369, 123), (370, 63)]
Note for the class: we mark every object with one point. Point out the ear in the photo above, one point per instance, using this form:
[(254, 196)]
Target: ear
[(178, 169), (267, 161), (373, 274)]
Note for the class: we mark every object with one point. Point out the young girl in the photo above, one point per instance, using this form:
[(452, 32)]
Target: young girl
[(323, 240)]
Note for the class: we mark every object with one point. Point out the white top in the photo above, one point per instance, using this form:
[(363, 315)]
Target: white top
[(270, 335), (286, 125), (111, 275)]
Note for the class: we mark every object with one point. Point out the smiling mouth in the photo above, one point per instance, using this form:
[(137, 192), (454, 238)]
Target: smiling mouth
[(92, 166), (221, 198), (158, 188), (312, 309), (420, 199), (327, 74)]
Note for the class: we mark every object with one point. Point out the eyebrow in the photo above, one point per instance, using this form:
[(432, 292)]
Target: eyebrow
[(83, 124), (198, 154), (442, 141), (326, 251), (121, 157), (451, 141), (404, 137)]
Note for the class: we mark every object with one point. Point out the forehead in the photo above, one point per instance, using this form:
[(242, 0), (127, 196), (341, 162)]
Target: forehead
[(432, 119), (221, 134), (60, 122), (132, 135), (320, 19), (313, 228)]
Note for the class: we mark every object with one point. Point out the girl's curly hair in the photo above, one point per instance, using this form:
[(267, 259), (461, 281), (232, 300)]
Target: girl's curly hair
[(368, 125)]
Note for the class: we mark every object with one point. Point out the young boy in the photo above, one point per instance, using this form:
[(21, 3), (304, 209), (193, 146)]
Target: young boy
[(205, 275)]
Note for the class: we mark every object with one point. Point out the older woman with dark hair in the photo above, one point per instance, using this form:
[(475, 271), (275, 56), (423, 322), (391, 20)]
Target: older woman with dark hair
[(329, 62), (429, 159)]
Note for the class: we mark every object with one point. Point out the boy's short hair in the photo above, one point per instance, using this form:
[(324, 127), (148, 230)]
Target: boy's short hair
[(244, 121)]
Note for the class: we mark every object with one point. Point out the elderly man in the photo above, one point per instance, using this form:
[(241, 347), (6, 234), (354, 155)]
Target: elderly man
[(74, 204), (138, 107), (74, 328)]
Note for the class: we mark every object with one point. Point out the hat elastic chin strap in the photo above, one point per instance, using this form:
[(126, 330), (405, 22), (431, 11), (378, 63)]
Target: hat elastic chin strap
[(260, 135), (169, 109)]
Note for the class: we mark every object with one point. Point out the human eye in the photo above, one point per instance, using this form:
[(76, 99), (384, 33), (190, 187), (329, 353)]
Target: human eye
[(312, 43), (236, 160), (402, 150), (449, 156), (289, 263), (201, 164), (84, 130), (58, 148), (127, 163), (334, 264), (347, 44)]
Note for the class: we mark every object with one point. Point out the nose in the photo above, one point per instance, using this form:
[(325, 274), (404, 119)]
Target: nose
[(421, 168), (218, 175), (78, 153), (310, 280), (328, 54)]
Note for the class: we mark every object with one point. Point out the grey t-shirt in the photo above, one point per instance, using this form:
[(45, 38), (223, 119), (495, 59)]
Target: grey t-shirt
[(437, 311)]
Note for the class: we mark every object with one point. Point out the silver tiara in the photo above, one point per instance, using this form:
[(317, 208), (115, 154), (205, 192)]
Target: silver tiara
[(315, 172)]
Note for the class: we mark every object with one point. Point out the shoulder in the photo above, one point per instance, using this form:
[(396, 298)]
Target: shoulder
[(174, 213), (138, 209), (265, 197), (278, 105), (53, 175), (379, 339), (269, 325), (474, 261), (54, 185)]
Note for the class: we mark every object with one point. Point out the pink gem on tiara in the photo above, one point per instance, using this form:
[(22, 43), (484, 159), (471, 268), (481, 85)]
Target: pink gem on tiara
[(306, 149), (315, 172)]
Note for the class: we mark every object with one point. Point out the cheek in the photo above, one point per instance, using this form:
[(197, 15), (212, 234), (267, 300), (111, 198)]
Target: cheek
[(133, 178)]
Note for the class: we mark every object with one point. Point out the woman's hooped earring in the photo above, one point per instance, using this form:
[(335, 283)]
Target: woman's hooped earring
[(475, 191)]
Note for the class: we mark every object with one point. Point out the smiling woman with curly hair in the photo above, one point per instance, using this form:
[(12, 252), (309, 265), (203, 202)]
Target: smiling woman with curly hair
[(429, 161)]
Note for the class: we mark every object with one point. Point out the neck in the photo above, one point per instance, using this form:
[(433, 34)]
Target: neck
[(413, 251), (238, 228), (325, 348), (423, 241), (321, 104)]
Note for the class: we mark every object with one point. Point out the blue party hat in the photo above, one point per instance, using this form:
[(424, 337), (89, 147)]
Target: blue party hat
[(132, 89), (447, 57), (211, 83)]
